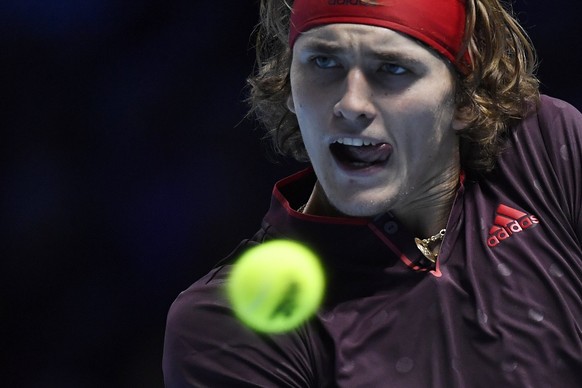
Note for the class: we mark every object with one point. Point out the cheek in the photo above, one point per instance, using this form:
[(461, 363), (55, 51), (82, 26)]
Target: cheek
[(309, 95), (306, 98), (309, 108), (423, 129), (434, 112)]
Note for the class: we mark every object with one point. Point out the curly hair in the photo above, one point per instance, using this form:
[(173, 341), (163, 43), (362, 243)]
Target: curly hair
[(499, 90)]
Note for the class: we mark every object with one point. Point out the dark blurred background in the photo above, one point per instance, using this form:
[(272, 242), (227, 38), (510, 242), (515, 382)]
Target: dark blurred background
[(128, 169)]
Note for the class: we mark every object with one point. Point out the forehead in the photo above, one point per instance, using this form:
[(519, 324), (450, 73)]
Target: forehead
[(346, 37)]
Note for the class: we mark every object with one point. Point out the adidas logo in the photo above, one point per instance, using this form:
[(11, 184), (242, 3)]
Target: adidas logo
[(509, 221)]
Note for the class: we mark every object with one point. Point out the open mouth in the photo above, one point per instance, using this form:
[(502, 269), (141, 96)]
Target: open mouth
[(359, 153)]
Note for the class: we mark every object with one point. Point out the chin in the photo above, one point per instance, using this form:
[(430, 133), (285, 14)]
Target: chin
[(356, 201), (361, 209), (367, 203)]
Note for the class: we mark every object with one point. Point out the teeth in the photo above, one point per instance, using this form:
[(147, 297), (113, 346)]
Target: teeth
[(357, 142)]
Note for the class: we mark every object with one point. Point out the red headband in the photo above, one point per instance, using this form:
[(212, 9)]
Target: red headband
[(438, 23)]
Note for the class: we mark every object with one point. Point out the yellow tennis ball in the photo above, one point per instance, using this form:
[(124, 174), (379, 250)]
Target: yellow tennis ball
[(275, 286)]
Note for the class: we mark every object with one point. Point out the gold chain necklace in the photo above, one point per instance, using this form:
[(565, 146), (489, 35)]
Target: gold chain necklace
[(423, 245)]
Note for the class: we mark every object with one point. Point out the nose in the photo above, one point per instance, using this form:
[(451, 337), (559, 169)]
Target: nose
[(355, 102)]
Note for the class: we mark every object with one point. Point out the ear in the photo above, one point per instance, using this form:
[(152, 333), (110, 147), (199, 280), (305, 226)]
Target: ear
[(461, 119), (290, 103)]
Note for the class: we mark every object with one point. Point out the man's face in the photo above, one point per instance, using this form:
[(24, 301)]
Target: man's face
[(376, 112)]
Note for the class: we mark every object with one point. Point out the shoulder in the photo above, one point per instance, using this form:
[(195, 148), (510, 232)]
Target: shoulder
[(204, 301), (555, 116), (195, 327), (204, 298), (545, 155), (551, 131), (550, 106)]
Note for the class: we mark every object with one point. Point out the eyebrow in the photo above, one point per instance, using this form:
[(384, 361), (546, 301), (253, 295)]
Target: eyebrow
[(332, 48), (326, 47), (392, 56)]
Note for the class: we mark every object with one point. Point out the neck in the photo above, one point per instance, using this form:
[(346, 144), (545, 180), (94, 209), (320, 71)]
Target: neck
[(319, 205), (428, 217), (424, 218)]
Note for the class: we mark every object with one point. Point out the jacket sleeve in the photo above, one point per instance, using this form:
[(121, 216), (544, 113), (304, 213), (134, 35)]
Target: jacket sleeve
[(206, 346)]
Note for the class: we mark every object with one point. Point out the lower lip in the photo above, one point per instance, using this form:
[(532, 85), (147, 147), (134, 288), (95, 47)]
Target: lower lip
[(361, 169)]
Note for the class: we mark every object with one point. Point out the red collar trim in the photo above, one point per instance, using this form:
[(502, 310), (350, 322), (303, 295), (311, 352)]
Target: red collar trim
[(277, 193)]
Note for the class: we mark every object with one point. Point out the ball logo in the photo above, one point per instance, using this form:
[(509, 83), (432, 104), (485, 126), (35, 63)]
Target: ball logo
[(288, 303), (508, 222)]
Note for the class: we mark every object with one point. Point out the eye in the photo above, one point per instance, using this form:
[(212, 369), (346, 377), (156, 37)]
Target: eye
[(324, 62), (393, 68)]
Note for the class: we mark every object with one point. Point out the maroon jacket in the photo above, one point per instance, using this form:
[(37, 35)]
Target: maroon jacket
[(502, 308)]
